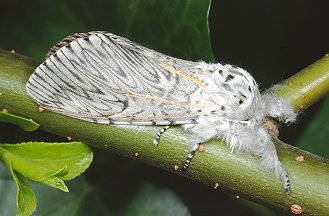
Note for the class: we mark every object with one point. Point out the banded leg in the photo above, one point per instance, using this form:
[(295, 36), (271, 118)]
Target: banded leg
[(159, 134), (285, 179), (189, 157), (256, 140), (287, 186)]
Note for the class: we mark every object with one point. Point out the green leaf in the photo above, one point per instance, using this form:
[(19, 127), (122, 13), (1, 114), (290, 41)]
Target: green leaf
[(152, 199), (316, 136), (176, 27), (25, 199), (52, 202), (56, 182), (82, 200), (105, 198), (48, 163), (24, 123), (7, 191)]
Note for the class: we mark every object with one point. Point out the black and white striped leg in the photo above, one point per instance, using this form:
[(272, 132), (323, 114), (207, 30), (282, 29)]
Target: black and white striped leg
[(189, 157), (159, 134), (285, 179), (287, 186)]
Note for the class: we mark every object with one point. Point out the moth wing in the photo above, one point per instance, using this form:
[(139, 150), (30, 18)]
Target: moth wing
[(104, 78)]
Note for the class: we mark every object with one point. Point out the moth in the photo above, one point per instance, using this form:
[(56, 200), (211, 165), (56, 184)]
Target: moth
[(106, 79)]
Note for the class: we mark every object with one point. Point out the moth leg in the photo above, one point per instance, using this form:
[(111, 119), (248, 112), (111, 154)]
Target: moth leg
[(271, 161), (159, 134), (189, 157), (278, 108), (255, 140)]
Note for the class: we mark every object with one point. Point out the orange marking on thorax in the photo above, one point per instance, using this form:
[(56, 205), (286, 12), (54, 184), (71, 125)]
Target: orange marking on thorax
[(180, 73)]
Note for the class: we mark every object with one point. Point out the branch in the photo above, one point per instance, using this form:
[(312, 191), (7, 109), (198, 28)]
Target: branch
[(216, 166), (306, 87)]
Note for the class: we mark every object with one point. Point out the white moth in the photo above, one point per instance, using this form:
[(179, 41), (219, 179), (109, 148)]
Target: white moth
[(106, 79)]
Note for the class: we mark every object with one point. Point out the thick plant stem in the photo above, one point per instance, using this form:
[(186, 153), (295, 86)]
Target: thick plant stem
[(216, 166), (307, 86)]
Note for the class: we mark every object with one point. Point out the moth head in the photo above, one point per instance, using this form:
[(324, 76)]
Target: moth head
[(233, 86), (233, 77)]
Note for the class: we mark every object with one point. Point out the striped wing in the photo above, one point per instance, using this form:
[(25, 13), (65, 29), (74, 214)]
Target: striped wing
[(100, 77)]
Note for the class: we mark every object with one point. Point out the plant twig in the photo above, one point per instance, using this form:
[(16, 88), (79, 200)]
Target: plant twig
[(306, 87), (216, 166)]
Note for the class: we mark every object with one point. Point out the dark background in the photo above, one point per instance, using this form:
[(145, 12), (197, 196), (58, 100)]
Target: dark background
[(271, 39)]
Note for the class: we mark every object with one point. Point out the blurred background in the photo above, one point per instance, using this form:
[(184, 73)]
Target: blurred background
[(271, 39)]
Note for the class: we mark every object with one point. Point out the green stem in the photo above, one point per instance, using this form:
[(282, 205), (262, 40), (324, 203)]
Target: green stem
[(306, 87), (239, 173)]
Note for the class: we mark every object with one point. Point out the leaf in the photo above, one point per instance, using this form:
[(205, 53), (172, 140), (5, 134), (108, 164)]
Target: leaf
[(52, 202), (142, 198), (157, 200), (138, 197), (56, 182), (178, 28), (25, 124), (25, 199), (82, 200), (49, 163), (7, 192), (316, 136)]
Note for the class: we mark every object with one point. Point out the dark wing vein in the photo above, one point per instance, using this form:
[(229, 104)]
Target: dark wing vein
[(107, 79)]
